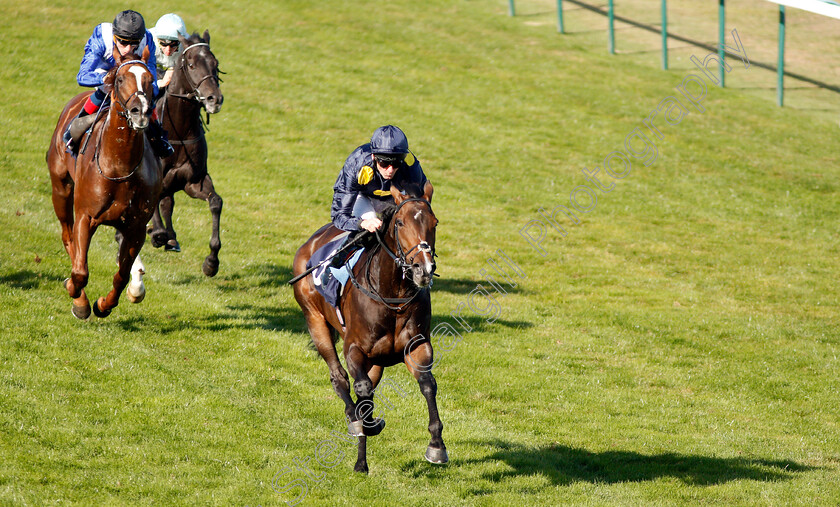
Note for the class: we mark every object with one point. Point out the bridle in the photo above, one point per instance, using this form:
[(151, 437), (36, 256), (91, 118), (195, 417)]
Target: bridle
[(138, 93), (195, 94), (128, 120), (400, 257)]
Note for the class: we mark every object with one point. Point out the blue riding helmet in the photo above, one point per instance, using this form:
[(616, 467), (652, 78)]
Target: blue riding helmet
[(389, 140)]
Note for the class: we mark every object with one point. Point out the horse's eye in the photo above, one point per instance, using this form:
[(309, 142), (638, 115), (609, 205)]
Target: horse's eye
[(399, 223)]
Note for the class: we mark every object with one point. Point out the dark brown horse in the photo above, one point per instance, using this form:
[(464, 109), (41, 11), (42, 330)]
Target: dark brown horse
[(194, 85), (116, 180), (387, 314)]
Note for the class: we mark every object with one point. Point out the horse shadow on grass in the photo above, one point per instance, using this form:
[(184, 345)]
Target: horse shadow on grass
[(563, 465), (24, 279)]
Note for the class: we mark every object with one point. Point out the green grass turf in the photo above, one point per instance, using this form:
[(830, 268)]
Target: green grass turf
[(678, 346)]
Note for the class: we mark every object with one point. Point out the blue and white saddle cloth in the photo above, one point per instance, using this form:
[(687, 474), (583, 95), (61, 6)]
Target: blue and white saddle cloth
[(339, 276)]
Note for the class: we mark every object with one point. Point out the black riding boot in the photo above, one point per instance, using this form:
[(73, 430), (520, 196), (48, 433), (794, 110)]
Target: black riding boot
[(157, 138), (76, 128)]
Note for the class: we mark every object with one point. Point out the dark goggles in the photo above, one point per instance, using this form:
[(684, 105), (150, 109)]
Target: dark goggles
[(389, 160), (127, 42), (169, 43)]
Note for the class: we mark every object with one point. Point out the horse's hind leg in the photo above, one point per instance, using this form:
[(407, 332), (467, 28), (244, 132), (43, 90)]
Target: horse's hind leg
[(322, 338), (205, 191), (157, 232), (62, 197), (167, 206), (82, 233), (129, 249), (419, 361)]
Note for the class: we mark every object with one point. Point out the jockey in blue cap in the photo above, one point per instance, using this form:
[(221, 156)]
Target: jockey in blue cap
[(363, 186), (126, 34)]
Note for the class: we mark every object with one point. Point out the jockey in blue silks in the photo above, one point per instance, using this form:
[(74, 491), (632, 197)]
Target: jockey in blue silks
[(363, 186), (126, 34)]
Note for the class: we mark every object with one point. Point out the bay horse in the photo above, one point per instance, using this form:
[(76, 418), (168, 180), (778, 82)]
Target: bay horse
[(115, 180), (194, 86), (387, 315)]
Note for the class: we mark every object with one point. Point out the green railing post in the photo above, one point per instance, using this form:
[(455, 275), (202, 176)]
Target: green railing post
[(721, 39), (780, 85), (560, 27), (511, 8), (611, 29), (664, 35)]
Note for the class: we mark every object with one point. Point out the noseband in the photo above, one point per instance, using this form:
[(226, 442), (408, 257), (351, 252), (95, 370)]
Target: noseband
[(401, 257), (138, 93)]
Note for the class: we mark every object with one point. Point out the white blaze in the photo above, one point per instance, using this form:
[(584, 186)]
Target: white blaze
[(138, 74)]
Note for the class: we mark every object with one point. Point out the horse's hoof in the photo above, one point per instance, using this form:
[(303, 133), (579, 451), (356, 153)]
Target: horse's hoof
[(361, 467), (136, 295), (210, 266), (375, 428), (159, 238), (81, 312), (436, 456), (100, 313), (172, 246), (356, 428)]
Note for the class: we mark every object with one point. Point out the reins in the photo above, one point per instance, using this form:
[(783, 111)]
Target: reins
[(399, 259), (123, 114)]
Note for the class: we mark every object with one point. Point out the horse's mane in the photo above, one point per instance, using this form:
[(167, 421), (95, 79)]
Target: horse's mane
[(194, 38), (412, 190)]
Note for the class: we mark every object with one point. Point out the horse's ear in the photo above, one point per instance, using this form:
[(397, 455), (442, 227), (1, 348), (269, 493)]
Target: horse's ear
[(397, 194), (183, 41), (428, 190), (207, 36), (145, 56), (116, 54)]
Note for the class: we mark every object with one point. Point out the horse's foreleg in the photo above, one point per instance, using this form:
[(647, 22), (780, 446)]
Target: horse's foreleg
[(129, 249), (419, 359), (370, 426), (365, 377), (82, 233), (207, 192), (62, 197), (322, 338)]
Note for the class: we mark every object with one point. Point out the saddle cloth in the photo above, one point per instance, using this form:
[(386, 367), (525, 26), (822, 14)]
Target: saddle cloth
[(335, 285)]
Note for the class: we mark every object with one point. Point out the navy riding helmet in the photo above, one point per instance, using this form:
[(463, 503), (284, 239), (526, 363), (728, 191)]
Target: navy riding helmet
[(389, 140), (129, 26)]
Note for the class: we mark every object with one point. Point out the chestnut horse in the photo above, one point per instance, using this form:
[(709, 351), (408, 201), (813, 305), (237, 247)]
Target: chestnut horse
[(194, 85), (115, 180), (387, 314)]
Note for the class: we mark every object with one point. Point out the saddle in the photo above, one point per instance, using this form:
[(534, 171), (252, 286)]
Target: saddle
[(337, 280), (79, 125)]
